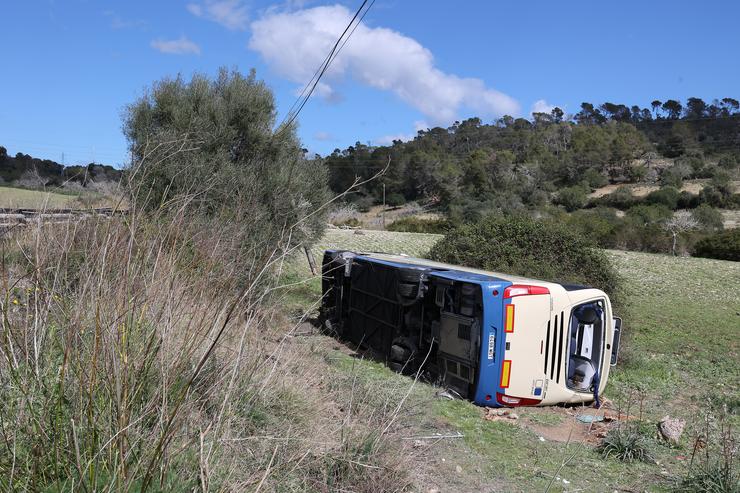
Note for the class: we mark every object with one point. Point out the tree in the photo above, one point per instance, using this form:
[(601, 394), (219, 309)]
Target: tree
[(695, 108), (673, 108), (656, 104), (618, 112), (3, 153), (557, 114), (209, 143), (681, 222), (730, 106), (589, 114)]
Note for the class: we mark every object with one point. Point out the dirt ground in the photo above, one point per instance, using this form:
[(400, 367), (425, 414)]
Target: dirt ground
[(642, 189)]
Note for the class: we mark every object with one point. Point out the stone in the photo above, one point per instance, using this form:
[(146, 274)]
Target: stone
[(671, 429)]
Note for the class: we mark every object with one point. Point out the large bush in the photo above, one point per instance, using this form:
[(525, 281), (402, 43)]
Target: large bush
[(725, 246), (527, 247), (572, 198), (210, 144), (668, 196)]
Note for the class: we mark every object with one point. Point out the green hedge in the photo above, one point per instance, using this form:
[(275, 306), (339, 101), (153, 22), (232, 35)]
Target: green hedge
[(724, 246)]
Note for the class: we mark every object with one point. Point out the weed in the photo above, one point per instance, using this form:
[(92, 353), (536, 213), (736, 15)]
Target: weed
[(626, 444), (714, 459)]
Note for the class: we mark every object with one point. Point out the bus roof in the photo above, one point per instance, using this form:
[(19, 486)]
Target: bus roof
[(494, 276)]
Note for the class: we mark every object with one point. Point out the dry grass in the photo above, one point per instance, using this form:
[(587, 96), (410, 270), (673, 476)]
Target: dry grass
[(142, 353)]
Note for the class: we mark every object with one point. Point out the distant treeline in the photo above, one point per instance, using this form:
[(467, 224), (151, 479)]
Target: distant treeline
[(515, 162), (29, 171)]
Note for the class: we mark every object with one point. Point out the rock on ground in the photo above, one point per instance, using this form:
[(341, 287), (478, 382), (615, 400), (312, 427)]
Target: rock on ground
[(671, 429)]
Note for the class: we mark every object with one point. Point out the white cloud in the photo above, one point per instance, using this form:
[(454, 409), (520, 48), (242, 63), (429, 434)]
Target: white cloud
[(181, 46), (542, 106), (295, 43), (232, 14)]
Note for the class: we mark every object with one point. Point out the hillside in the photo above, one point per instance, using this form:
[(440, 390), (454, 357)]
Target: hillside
[(615, 172), (30, 172), (679, 357)]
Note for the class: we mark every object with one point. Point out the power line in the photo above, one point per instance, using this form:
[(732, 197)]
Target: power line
[(304, 96)]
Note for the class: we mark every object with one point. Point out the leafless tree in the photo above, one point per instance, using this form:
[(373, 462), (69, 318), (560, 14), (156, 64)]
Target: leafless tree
[(681, 222)]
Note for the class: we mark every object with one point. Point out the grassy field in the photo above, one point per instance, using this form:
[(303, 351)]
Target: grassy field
[(679, 357), (22, 198)]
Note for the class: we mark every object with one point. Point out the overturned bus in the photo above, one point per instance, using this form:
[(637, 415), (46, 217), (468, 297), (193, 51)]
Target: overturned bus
[(496, 339)]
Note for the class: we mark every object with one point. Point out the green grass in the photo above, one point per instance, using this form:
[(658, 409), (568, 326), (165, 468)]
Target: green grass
[(22, 198), (679, 357)]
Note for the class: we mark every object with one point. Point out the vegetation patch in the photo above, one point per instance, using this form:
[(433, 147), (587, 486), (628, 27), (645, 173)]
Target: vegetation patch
[(724, 246), (526, 247)]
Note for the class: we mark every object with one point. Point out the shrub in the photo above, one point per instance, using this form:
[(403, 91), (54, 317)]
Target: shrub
[(626, 444), (364, 203), (708, 217), (723, 246), (728, 161), (595, 179), (418, 225), (527, 247), (695, 162), (394, 200), (649, 214), (687, 200), (342, 213), (621, 198), (637, 172), (572, 198), (667, 196), (671, 178), (598, 225)]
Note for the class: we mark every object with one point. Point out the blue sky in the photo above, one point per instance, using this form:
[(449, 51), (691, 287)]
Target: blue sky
[(70, 67)]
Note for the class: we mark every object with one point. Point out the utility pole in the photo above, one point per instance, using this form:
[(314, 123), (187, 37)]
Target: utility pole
[(383, 206)]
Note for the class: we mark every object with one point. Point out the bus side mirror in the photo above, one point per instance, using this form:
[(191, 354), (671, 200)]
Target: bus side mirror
[(615, 339)]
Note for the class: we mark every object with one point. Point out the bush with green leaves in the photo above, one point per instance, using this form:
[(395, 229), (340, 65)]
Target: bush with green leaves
[(729, 161), (649, 214), (667, 196), (723, 246), (598, 225), (621, 198), (528, 247), (709, 218), (210, 145), (595, 179), (572, 198)]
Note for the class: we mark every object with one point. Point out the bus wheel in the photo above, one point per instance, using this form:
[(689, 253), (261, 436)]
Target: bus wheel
[(401, 357)]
